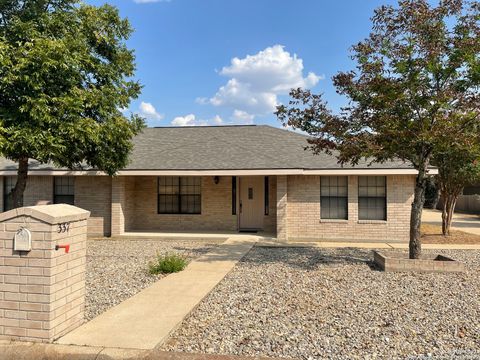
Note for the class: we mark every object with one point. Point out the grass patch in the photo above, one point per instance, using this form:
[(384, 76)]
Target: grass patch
[(167, 263)]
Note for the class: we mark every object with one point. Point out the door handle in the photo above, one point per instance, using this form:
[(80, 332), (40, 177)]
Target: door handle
[(240, 207)]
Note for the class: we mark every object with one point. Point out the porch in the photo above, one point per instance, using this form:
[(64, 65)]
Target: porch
[(194, 206)]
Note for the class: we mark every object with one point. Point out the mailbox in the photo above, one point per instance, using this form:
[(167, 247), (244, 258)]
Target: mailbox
[(22, 240)]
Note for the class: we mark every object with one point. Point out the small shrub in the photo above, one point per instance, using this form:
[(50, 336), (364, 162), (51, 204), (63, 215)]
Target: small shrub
[(167, 263)]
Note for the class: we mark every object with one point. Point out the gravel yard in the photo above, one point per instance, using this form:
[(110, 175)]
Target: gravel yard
[(118, 269), (309, 303)]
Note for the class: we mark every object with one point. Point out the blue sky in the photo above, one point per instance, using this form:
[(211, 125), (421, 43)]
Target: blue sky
[(230, 61)]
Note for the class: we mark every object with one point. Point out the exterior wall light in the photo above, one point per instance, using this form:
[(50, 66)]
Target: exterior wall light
[(216, 179)]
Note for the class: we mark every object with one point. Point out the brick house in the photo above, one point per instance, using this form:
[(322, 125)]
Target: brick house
[(228, 179)]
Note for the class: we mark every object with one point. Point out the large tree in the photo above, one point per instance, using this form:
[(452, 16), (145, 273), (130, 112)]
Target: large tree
[(65, 72), (415, 90)]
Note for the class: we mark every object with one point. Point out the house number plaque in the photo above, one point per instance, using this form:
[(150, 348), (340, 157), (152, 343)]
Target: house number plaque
[(22, 240)]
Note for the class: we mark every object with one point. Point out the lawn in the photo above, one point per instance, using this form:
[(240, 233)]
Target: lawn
[(311, 303)]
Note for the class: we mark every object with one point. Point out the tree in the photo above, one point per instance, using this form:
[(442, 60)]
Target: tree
[(456, 168), (415, 90), (65, 72)]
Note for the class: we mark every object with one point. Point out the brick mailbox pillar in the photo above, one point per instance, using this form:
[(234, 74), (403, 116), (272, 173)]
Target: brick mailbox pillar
[(42, 290)]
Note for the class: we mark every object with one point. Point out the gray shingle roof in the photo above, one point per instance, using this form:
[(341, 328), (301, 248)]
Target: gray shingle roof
[(244, 147)]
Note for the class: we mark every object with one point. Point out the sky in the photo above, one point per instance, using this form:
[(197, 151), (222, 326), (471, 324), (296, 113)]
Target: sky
[(222, 62)]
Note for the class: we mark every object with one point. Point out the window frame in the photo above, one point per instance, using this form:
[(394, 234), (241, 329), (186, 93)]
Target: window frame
[(337, 198), (179, 195), (56, 196), (384, 197)]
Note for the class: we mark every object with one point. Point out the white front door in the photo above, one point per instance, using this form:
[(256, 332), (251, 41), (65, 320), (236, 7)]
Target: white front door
[(251, 202)]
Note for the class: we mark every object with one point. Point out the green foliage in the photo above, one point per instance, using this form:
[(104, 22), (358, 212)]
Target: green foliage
[(414, 92), (167, 263), (65, 73)]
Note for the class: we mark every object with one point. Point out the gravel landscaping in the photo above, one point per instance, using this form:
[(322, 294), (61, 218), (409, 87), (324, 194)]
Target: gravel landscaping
[(118, 269), (310, 303)]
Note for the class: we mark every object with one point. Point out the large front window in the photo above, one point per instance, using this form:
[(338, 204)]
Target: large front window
[(372, 198), (179, 195), (334, 197)]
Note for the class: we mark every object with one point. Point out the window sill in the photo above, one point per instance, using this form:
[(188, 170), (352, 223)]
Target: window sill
[(335, 221), (372, 222)]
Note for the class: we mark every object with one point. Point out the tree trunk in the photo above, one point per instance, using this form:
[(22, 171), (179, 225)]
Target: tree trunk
[(19, 189), (415, 245), (449, 202)]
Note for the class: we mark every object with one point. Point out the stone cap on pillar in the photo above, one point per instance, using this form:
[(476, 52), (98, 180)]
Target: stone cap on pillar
[(52, 214)]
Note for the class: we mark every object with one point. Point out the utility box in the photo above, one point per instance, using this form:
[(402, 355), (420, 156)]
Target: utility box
[(42, 271)]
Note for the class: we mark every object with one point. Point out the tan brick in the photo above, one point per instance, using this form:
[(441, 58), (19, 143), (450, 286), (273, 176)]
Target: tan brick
[(15, 279), (12, 314), (15, 331), (12, 305)]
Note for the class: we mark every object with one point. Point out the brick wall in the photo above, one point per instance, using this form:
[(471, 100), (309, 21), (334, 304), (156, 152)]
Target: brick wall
[(94, 193), (91, 192), (282, 202), (216, 212), (42, 292), (303, 215), (303, 212)]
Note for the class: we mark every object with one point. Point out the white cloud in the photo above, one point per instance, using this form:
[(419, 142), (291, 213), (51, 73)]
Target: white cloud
[(149, 1), (256, 81), (242, 117), (191, 120), (148, 110), (217, 120), (187, 120)]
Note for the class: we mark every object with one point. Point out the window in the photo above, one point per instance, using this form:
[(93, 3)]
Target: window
[(334, 197), (8, 185), (179, 195), (372, 198), (64, 190)]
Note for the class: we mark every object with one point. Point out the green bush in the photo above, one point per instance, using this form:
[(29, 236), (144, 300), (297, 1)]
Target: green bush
[(167, 263)]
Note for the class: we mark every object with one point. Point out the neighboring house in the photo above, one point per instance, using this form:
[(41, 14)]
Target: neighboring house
[(227, 179)]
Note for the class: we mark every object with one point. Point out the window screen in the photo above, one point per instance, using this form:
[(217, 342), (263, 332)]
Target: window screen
[(372, 198), (179, 195), (64, 190), (334, 197), (8, 185)]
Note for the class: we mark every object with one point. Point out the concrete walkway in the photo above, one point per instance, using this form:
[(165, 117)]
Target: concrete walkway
[(146, 319), (468, 223)]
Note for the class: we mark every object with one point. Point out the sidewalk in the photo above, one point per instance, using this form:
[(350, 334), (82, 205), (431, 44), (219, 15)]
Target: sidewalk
[(469, 223), (146, 319), (39, 351)]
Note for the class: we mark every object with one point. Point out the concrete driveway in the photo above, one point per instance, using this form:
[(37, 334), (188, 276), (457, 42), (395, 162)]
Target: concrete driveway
[(465, 222)]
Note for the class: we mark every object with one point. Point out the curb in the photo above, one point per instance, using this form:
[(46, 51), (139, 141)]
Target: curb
[(42, 351)]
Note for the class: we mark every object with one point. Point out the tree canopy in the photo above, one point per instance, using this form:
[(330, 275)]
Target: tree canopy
[(414, 91), (65, 73)]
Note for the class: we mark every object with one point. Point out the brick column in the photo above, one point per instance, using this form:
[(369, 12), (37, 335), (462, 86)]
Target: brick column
[(282, 234), (118, 205), (42, 291)]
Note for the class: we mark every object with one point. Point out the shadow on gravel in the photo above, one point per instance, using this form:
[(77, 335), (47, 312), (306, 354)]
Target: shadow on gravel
[(309, 258)]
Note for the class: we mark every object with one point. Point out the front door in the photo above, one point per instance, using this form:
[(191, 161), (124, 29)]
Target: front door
[(251, 202)]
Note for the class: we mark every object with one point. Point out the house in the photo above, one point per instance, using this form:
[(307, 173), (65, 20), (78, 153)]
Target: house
[(228, 179)]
